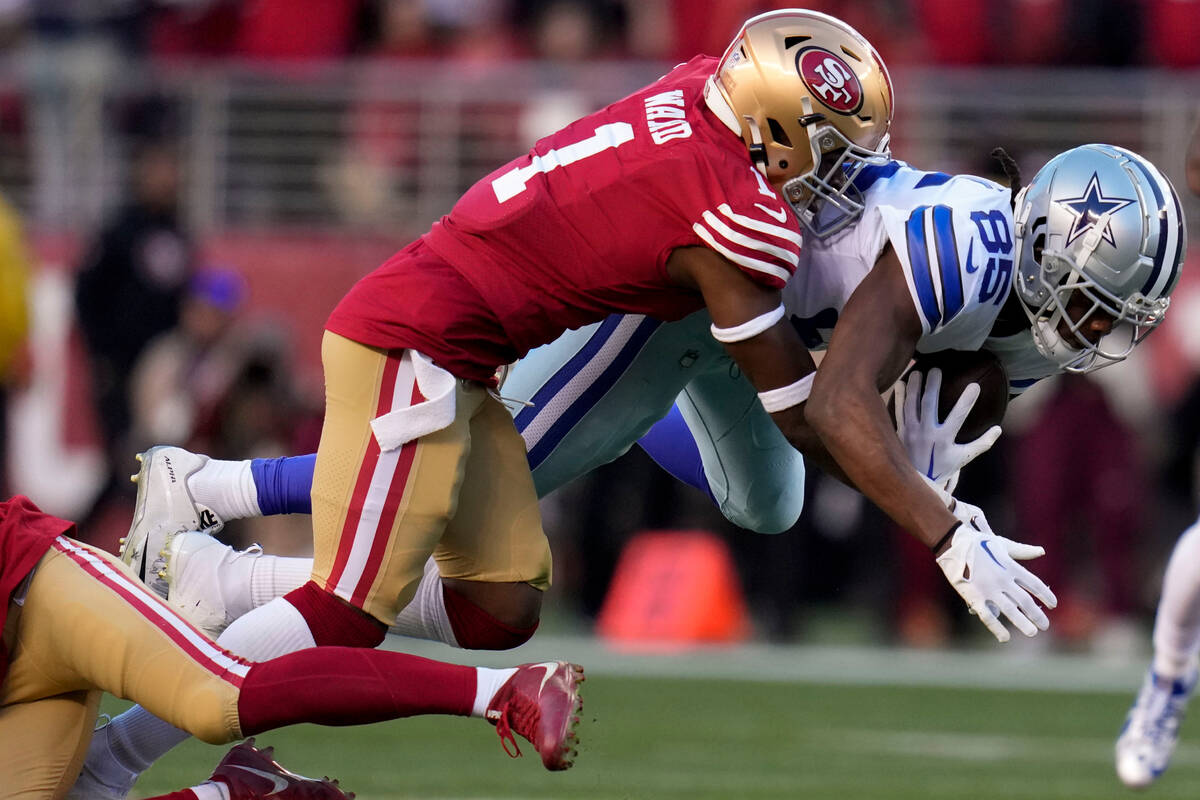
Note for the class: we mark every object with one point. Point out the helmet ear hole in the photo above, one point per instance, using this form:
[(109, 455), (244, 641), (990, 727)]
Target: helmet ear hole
[(778, 133), (1039, 244)]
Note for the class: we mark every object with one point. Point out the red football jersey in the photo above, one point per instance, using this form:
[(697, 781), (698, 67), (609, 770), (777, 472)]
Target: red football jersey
[(579, 228), (25, 536)]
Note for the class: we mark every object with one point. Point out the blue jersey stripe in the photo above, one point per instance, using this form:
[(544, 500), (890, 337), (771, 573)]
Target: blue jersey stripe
[(947, 256), (1162, 230), (1023, 383), (867, 176), (932, 179), (592, 394), (918, 259)]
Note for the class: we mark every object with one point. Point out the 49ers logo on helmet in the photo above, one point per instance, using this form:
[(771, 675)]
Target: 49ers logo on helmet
[(830, 80)]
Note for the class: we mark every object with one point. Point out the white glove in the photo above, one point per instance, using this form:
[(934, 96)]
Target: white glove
[(980, 566), (930, 443)]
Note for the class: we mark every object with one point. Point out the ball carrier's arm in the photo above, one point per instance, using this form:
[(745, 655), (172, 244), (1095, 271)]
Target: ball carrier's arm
[(871, 345)]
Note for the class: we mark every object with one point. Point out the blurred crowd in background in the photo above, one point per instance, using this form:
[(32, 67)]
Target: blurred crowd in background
[(175, 335), (1040, 32)]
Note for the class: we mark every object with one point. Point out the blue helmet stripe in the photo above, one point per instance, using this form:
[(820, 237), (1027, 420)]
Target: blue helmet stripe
[(1181, 238), (918, 257), (947, 256), (1162, 227)]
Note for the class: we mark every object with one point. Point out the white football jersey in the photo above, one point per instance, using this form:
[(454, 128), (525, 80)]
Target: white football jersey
[(953, 236)]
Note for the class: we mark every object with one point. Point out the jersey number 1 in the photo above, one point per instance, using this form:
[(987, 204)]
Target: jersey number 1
[(512, 183)]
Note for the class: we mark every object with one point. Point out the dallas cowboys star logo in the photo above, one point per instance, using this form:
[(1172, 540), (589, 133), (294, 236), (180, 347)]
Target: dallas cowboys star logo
[(1089, 209)]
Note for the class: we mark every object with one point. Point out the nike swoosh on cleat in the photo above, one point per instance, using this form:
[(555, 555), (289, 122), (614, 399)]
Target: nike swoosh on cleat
[(550, 670), (780, 215), (279, 783)]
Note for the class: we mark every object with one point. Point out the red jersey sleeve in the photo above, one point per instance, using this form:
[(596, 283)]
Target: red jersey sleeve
[(727, 201), (754, 229)]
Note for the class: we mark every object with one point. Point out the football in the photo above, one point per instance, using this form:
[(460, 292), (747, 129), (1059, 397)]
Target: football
[(960, 368)]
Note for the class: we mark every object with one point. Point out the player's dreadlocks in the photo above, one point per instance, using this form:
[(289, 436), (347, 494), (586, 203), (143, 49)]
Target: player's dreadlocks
[(1011, 171)]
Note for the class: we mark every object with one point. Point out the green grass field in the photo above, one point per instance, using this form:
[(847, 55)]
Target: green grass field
[(806, 729)]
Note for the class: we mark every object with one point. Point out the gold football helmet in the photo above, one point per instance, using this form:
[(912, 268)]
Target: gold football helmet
[(813, 101)]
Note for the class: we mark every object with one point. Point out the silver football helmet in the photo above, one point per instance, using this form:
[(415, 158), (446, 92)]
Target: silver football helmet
[(1102, 229)]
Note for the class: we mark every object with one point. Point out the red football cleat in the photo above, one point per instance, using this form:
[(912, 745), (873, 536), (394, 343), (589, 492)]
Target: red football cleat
[(541, 702), (250, 774)]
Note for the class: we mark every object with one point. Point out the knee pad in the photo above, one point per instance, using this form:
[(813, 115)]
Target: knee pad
[(769, 519)]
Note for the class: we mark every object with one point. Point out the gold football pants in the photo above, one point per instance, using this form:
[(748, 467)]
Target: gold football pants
[(87, 625), (463, 493)]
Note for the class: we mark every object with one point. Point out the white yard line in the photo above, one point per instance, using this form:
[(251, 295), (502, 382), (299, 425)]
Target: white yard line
[(984, 747), (998, 667)]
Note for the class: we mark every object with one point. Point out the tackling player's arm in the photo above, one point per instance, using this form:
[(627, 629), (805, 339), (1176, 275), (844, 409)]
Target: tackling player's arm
[(776, 357)]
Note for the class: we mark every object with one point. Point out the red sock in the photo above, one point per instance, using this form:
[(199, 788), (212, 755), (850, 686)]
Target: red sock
[(182, 794), (476, 629), (333, 621), (350, 686)]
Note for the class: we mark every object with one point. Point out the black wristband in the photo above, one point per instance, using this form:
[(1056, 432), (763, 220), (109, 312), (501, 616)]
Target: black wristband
[(946, 538)]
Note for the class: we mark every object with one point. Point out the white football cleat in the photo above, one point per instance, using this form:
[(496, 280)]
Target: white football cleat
[(196, 567), (1151, 729), (164, 506)]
